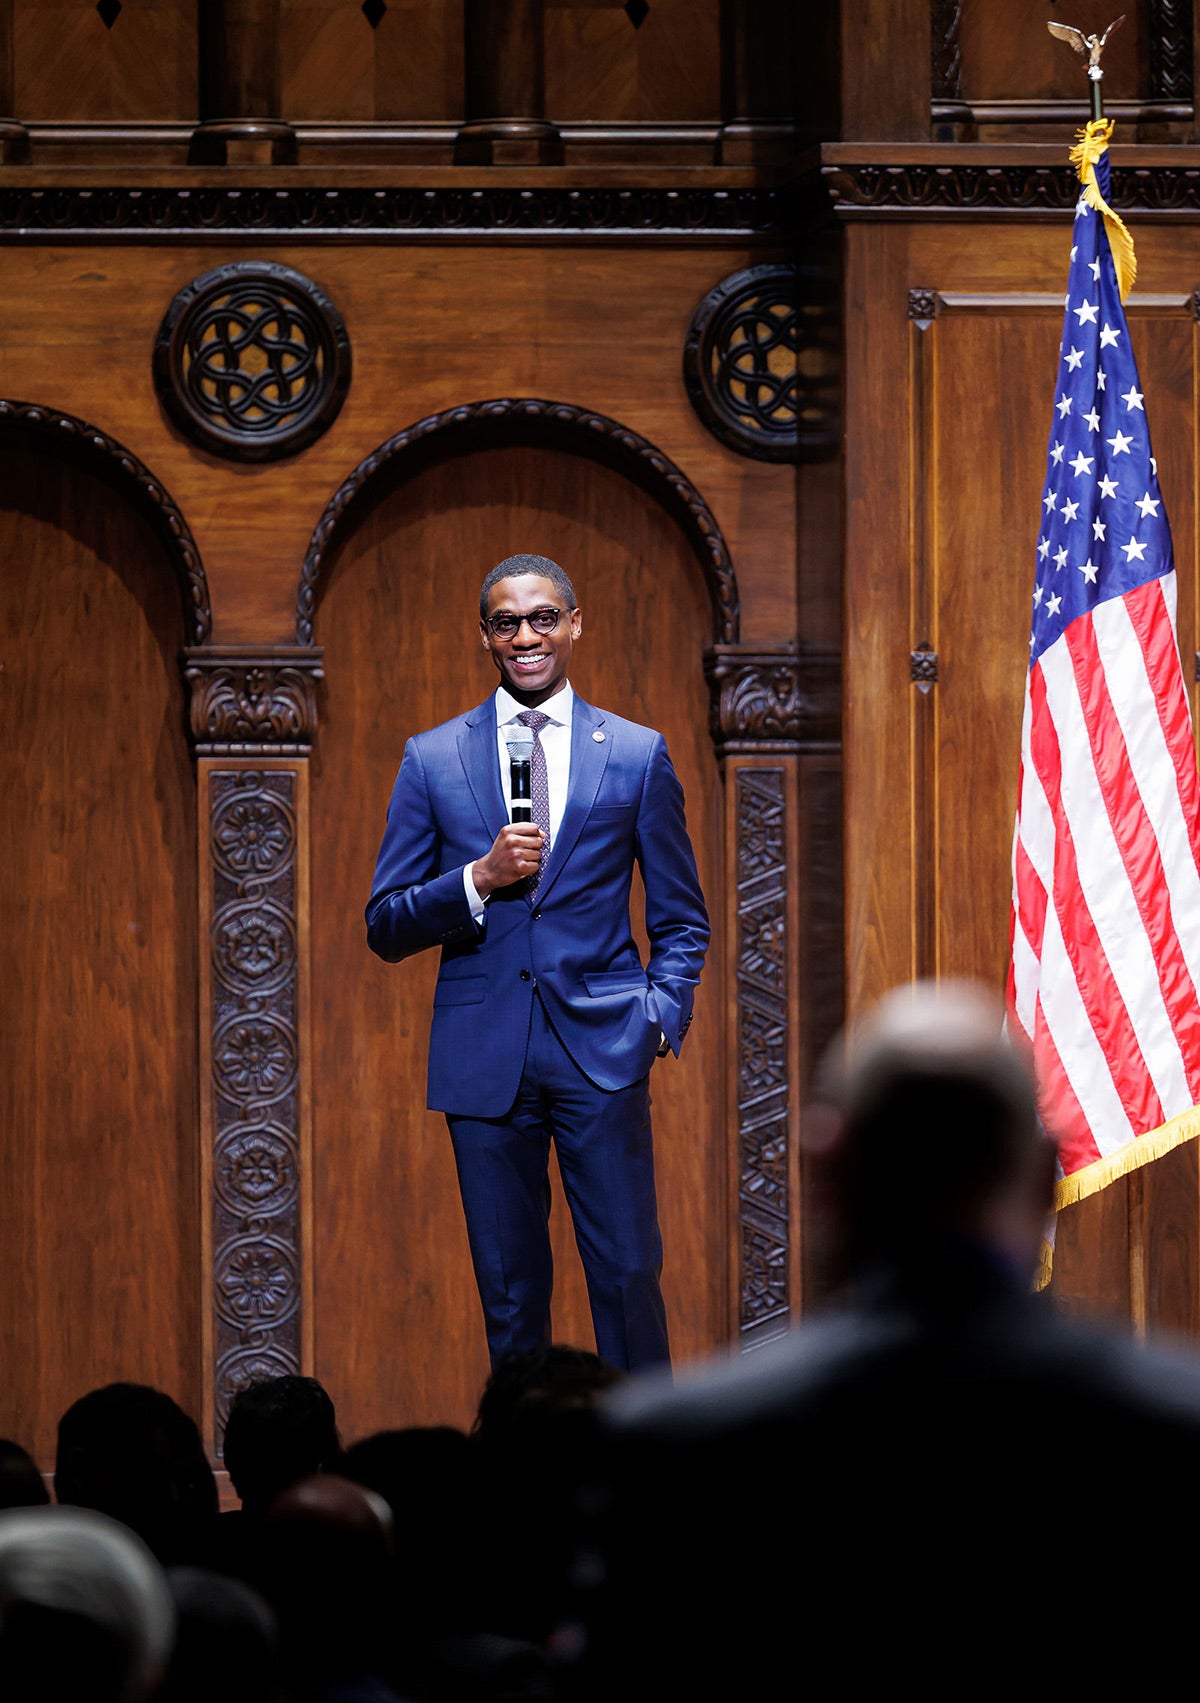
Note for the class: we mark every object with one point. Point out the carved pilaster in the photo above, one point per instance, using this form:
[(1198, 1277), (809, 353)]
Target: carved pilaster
[(777, 702), (772, 700), (253, 717), (763, 1053), (256, 1165), (253, 703), (946, 49)]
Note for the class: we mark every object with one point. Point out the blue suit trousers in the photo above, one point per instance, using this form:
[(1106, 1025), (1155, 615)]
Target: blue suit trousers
[(603, 1143)]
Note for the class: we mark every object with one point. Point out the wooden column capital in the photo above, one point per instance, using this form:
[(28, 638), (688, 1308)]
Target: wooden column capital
[(253, 701), (773, 701)]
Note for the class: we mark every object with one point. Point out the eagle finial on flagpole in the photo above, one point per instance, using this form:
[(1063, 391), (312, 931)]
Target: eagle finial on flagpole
[(1089, 47)]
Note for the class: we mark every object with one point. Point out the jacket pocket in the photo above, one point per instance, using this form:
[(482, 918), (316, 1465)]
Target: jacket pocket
[(631, 980), (463, 990)]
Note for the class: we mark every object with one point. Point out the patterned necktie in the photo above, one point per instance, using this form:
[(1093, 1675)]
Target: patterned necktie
[(539, 786)]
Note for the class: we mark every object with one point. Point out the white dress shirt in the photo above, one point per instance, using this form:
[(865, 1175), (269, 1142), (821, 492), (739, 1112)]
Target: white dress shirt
[(556, 743)]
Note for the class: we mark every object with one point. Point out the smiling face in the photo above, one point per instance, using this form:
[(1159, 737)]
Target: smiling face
[(532, 665)]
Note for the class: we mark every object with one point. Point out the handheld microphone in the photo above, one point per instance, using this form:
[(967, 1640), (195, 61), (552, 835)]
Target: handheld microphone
[(520, 768)]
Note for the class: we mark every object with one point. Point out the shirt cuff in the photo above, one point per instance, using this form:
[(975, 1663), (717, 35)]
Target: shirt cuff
[(478, 905)]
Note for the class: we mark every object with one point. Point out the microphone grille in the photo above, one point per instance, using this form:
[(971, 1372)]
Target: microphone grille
[(520, 745)]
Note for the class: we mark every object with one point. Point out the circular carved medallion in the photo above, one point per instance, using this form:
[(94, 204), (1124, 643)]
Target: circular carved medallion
[(740, 362), (255, 1171), (252, 361)]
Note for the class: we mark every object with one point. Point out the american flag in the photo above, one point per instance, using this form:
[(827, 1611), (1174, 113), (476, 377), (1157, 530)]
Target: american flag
[(1106, 890)]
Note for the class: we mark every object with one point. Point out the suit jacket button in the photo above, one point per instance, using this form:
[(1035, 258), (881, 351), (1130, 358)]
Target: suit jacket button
[(524, 975), (536, 916)]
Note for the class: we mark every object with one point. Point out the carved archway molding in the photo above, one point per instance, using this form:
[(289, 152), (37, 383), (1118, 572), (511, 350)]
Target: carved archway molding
[(66, 434), (503, 422)]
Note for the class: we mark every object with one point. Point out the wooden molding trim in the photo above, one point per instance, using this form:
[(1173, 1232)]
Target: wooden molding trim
[(532, 420), (319, 209), (253, 701), (956, 188), (46, 429), (773, 701)]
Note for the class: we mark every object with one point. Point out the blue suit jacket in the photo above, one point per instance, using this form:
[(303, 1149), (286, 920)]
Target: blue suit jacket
[(624, 806)]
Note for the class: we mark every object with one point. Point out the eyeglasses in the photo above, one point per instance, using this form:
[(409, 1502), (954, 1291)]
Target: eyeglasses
[(507, 626)]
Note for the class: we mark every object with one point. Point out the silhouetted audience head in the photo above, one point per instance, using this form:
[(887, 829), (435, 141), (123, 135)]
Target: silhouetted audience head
[(226, 1642), (279, 1431), (429, 1478), (524, 1389), (536, 1429), (326, 1559), (929, 1129), (132, 1452), (85, 1611), (21, 1484)]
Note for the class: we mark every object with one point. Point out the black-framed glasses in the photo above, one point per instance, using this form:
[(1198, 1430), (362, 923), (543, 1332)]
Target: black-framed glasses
[(507, 626)]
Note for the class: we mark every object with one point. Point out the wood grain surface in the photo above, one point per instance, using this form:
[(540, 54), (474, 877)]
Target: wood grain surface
[(98, 1191), (942, 520)]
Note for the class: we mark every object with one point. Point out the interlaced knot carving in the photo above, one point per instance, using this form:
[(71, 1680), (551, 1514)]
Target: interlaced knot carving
[(754, 359), (252, 357), (760, 363), (252, 361)]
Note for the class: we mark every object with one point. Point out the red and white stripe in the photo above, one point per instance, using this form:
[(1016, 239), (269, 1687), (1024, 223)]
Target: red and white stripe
[(1106, 879)]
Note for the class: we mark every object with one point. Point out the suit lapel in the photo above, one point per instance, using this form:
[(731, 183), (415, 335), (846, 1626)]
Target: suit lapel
[(588, 759), (478, 750)]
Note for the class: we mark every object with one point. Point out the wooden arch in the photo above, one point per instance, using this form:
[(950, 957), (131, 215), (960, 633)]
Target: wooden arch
[(65, 434), (557, 425)]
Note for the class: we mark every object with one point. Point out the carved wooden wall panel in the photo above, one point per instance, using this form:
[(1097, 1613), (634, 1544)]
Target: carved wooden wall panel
[(537, 321), (649, 59), (999, 75), (70, 63), (939, 551), (396, 620), (98, 1078), (341, 59), (491, 293), (1008, 53)]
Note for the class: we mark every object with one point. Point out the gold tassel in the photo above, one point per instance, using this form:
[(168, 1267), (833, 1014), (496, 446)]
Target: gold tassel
[(1090, 143)]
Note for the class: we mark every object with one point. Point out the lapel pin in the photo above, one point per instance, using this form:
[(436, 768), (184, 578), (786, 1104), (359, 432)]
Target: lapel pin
[(598, 737)]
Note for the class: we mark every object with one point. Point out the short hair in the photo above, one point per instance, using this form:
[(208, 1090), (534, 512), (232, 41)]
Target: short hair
[(513, 567), (279, 1431), (87, 1610), (130, 1451)]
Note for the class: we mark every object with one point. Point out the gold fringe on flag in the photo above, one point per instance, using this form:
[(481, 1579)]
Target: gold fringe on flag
[(1090, 143), (1090, 1179)]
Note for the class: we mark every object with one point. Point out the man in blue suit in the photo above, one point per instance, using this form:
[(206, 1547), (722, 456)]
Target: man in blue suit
[(545, 1022)]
